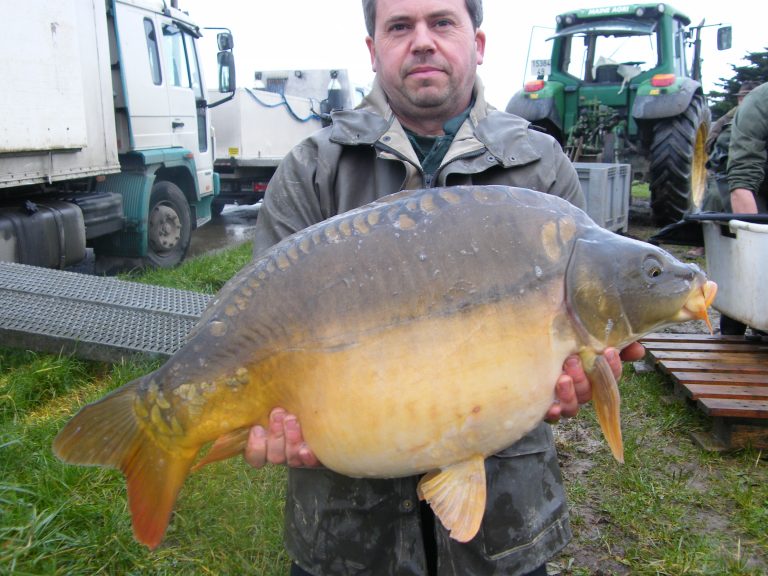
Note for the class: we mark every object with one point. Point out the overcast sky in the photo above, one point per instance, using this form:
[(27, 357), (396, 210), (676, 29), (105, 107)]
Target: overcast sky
[(314, 34)]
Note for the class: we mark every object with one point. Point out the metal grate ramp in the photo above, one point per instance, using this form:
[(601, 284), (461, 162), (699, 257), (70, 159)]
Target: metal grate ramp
[(93, 317)]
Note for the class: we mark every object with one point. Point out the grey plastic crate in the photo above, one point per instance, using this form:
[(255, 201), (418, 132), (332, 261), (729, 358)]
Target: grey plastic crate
[(606, 188)]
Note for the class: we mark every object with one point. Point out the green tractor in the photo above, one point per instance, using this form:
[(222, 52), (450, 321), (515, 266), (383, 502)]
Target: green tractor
[(624, 85)]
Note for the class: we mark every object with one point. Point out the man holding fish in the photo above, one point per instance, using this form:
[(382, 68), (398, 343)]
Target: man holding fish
[(421, 337), (424, 124)]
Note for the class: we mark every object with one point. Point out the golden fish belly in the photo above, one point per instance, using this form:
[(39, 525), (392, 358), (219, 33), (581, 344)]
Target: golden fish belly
[(420, 395)]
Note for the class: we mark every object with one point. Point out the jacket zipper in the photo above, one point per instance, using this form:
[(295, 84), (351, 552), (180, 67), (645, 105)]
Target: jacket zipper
[(428, 179)]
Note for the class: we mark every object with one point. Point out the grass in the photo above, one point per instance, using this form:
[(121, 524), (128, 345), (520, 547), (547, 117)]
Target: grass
[(641, 190), (670, 509), (206, 273), (61, 519)]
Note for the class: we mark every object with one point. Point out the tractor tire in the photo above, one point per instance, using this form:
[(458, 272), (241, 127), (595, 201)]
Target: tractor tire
[(170, 226), (678, 158)]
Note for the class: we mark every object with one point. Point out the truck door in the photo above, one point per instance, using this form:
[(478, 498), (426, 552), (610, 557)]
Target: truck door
[(141, 89), (186, 100)]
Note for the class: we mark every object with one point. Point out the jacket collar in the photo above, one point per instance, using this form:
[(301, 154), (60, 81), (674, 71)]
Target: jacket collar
[(503, 135)]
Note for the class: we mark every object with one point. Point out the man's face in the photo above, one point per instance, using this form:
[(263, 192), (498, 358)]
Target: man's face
[(425, 53)]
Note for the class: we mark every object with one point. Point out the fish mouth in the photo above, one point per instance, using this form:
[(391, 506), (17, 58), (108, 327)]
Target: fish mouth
[(699, 300)]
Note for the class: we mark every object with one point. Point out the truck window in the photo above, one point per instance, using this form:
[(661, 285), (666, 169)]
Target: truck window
[(176, 57), (197, 88), (681, 56), (194, 68), (154, 56)]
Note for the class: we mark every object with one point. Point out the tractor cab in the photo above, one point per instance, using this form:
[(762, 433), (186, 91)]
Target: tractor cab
[(623, 84)]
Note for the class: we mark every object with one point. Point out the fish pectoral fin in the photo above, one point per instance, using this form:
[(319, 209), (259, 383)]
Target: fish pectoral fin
[(226, 446), (457, 496), (605, 394)]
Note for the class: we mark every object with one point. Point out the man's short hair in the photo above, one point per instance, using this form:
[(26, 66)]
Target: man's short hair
[(474, 7)]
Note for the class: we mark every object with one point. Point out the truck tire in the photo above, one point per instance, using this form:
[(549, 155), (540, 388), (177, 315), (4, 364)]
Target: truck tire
[(170, 226), (678, 157)]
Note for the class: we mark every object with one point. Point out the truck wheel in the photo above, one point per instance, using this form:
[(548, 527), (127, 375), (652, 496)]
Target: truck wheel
[(678, 173), (170, 226)]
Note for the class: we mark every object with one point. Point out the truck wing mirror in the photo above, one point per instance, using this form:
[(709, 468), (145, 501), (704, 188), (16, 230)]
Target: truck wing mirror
[(724, 37), (225, 41), (227, 81)]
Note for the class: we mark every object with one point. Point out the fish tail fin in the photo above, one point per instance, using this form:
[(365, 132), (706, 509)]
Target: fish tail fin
[(154, 478), (226, 446), (605, 393), (107, 433)]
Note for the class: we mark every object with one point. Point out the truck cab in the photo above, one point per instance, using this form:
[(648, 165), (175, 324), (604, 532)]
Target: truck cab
[(105, 138), (163, 129), (163, 101)]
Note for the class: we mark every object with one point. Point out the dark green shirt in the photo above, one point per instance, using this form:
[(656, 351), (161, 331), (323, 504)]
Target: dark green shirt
[(431, 149)]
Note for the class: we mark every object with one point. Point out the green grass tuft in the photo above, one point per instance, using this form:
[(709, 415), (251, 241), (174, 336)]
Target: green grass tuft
[(206, 273), (641, 190), (671, 508), (62, 519)]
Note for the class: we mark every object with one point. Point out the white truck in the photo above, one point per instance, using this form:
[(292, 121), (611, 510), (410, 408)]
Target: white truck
[(259, 126), (105, 136)]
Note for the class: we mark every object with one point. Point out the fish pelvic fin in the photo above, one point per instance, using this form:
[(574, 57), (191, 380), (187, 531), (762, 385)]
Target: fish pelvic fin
[(457, 496), (607, 400), (226, 446), (107, 433)]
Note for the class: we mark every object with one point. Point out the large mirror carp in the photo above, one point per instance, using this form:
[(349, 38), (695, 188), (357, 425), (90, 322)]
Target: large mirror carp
[(415, 335)]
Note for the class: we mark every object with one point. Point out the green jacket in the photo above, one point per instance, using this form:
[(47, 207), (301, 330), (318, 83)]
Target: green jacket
[(748, 151), (340, 525)]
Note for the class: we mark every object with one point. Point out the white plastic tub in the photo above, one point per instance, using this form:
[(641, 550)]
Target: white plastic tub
[(737, 259)]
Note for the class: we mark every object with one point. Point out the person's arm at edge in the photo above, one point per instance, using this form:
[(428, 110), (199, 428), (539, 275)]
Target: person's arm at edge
[(748, 153)]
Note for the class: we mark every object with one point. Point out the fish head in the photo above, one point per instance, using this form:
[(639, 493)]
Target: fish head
[(619, 289)]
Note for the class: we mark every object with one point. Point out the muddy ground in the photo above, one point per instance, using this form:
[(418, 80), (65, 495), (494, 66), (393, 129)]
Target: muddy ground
[(598, 544)]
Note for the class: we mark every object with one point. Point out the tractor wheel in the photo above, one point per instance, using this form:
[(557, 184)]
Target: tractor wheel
[(170, 226), (678, 173)]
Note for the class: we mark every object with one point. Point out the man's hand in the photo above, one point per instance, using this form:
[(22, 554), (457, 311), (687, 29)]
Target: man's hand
[(573, 389), (281, 443)]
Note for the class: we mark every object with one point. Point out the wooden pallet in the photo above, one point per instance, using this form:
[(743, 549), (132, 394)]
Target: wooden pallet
[(726, 377)]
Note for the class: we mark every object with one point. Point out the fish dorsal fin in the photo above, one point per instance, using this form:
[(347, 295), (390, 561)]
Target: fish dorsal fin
[(457, 496), (605, 394)]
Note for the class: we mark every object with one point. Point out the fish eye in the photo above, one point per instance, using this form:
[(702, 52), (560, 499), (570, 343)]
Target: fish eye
[(652, 268)]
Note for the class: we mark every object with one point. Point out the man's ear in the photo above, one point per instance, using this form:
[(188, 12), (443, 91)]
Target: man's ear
[(480, 45), (371, 51)]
